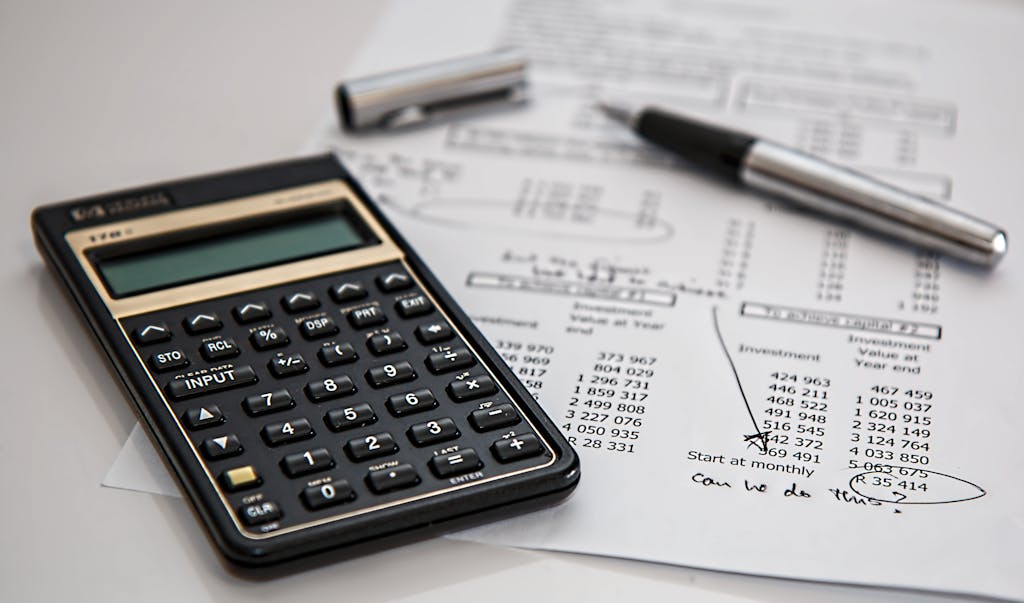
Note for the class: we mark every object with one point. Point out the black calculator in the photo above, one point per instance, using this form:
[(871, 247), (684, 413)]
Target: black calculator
[(306, 377)]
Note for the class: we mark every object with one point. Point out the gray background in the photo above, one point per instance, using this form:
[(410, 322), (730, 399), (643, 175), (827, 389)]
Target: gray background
[(100, 95)]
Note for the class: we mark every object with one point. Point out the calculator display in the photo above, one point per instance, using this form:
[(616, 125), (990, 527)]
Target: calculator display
[(222, 254)]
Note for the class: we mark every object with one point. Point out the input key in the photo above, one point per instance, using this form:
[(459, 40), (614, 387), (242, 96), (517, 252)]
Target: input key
[(213, 381)]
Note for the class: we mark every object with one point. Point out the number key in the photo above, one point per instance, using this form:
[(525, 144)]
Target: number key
[(411, 402), (390, 374), (310, 461), (327, 495), (276, 434), (268, 402), (432, 432), (371, 446), (330, 388), (350, 417)]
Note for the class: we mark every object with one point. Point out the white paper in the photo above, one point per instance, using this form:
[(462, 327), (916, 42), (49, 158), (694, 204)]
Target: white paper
[(137, 467), (666, 320)]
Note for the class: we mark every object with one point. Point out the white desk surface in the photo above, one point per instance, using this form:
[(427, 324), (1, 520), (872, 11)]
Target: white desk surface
[(101, 95)]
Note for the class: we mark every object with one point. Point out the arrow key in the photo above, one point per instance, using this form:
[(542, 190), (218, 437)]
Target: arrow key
[(394, 281), (433, 332), (203, 417), (348, 292), (201, 323), (151, 333), (251, 312), (221, 447), (300, 301)]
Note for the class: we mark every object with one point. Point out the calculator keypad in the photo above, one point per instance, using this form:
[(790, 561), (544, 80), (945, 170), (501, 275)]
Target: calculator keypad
[(350, 392)]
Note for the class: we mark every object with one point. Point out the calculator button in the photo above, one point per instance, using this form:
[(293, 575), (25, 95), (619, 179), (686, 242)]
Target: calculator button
[(269, 338), (486, 419), (201, 323), (203, 417), (340, 353), (221, 447), (432, 432), (450, 360), (411, 402), (392, 478), (151, 333), (219, 349), (433, 332), (300, 302), (251, 312), (371, 446), (315, 328), (369, 316), (330, 388), (259, 513), (390, 374), (471, 388), (287, 365), (327, 495), (455, 463), (350, 417), (511, 449), (276, 434), (386, 343), (346, 292), (168, 360), (267, 402), (394, 281), (240, 478), (411, 307), (207, 383), (310, 461)]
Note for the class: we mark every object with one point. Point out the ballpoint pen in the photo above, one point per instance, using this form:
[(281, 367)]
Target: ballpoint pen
[(817, 184)]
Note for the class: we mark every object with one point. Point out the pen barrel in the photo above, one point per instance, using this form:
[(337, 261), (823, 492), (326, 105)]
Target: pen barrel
[(833, 190), (711, 147)]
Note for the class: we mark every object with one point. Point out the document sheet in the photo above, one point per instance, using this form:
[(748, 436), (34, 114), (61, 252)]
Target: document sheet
[(750, 388)]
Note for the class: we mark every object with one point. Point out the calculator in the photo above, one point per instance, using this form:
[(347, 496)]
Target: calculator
[(306, 377)]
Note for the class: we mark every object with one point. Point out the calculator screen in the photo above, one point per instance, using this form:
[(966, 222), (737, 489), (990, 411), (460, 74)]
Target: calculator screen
[(220, 254)]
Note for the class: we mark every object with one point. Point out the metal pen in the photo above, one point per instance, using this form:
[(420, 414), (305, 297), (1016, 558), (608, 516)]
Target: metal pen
[(819, 185)]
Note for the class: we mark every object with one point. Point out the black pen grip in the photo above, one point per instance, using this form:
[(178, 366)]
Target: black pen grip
[(717, 149)]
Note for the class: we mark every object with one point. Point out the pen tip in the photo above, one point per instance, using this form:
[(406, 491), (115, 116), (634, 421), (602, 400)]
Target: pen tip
[(616, 111)]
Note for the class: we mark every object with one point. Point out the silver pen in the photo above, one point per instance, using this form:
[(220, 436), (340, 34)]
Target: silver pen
[(818, 185)]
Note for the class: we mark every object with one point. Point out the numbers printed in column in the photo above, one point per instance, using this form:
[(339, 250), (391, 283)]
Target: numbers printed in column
[(796, 415), (608, 406)]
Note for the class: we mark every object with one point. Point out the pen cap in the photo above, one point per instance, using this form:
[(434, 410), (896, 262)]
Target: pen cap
[(426, 92)]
